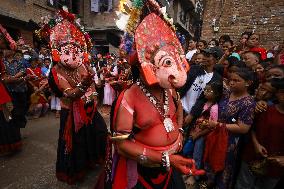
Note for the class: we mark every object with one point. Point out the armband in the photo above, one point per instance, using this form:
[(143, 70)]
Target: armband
[(166, 161), (81, 87), (121, 135), (64, 92), (142, 159)]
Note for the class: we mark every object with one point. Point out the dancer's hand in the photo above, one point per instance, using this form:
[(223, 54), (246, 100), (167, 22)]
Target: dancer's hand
[(185, 165), (181, 164)]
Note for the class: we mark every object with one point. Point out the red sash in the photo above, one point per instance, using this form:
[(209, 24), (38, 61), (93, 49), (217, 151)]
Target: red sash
[(120, 178)]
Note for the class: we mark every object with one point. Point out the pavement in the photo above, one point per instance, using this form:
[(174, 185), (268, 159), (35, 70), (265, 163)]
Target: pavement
[(34, 166)]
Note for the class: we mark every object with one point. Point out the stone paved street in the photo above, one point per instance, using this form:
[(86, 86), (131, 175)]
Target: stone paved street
[(34, 166)]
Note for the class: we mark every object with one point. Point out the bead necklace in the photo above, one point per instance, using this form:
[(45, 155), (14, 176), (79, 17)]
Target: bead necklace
[(163, 109), (75, 77)]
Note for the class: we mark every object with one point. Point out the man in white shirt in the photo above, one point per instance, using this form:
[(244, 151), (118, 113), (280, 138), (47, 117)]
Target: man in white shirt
[(198, 77)]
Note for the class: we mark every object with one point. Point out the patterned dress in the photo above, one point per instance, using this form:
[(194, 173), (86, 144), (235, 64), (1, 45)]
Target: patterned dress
[(230, 112)]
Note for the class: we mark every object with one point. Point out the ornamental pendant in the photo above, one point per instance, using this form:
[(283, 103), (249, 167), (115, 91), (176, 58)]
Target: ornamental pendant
[(168, 124)]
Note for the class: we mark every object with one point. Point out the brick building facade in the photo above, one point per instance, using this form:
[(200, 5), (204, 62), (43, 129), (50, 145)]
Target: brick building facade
[(101, 25), (20, 17), (233, 17)]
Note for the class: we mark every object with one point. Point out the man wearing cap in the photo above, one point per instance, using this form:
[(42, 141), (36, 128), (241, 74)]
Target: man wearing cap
[(198, 77)]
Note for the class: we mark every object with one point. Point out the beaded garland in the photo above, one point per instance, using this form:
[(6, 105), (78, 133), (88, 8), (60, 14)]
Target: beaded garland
[(168, 123)]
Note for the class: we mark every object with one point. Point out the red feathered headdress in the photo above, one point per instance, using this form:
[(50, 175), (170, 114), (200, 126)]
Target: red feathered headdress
[(154, 34)]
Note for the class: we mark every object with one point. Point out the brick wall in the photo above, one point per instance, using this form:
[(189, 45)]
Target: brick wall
[(265, 17), (25, 10)]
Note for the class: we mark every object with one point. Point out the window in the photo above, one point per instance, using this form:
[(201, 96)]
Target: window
[(73, 5), (59, 3), (101, 5)]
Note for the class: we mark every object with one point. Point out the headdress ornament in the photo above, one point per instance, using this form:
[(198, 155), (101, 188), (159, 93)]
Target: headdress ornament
[(145, 35), (63, 29)]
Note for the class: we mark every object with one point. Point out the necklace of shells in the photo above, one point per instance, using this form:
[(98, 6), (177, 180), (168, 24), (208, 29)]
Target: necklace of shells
[(167, 121)]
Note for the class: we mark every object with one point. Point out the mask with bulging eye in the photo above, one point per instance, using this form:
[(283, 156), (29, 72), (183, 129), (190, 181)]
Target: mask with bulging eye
[(169, 72), (71, 56)]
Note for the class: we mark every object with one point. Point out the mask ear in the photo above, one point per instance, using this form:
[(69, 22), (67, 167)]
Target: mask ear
[(133, 58), (55, 55), (148, 73), (185, 64)]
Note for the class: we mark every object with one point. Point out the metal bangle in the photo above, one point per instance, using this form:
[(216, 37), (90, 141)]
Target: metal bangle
[(181, 130), (166, 160), (81, 87), (64, 92), (142, 159)]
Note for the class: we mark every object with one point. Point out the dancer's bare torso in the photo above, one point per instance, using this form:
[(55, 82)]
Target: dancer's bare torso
[(146, 117), (64, 84)]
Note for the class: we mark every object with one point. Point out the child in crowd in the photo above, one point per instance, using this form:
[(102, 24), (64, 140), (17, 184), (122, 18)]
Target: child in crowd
[(264, 96), (213, 43), (191, 48), (199, 58), (45, 68), (207, 109)]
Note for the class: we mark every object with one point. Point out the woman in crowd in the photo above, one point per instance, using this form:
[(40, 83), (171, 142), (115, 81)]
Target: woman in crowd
[(201, 44), (38, 82), (242, 42), (16, 83), (253, 45), (110, 73), (12, 104), (263, 156), (236, 112)]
